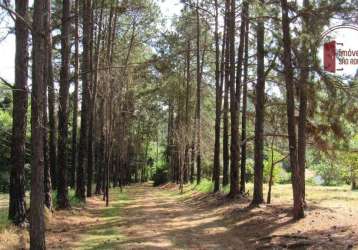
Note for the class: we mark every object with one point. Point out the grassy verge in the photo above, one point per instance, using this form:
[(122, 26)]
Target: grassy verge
[(282, 193), (106, 234), (4, 221), (74, 201)]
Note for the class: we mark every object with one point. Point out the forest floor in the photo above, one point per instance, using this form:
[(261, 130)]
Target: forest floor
[(144, 217)]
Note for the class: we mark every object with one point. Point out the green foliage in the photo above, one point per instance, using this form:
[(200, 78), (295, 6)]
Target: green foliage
[(4, 221), (5, 133), (267, 170), (205, 186), (249, 170), (4, 181), (280, 175), (330, 173), (106, 235), (283, 177), (74, 201), (160, 177)]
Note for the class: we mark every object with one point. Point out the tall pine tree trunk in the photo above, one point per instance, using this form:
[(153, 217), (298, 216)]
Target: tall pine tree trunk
[(218, 103), (17, 206), (298, 205), (234, 147), (244, 110), (235, 187), (75, 99), (86, 78), (259, 115), (51, 112), (91, 108), (37, 225), (305, 62), (198, 98), (97, 151), (62, 191), (47, 78), (226, 155)]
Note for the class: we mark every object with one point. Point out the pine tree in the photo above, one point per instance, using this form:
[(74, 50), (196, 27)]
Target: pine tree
[(17, 206)]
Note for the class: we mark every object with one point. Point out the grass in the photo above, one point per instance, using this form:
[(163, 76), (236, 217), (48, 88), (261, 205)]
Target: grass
[(205, 186), (10, 235), (74, 201), (107, 234), (104, 235), (104, 238), (4, 221), (282, 193)]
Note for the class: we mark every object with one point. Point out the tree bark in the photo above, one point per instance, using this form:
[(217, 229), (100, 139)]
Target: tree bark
[(259, 115), (86, 78), (37, 226), (234, 147), (244, 111), (52, 115), (271, 171), (301, 148), (91, 109), (75, 99), (187, 108), (101, 168), (226, 155), (198, 98), (239, 83), (98, 151), (47, 78), (17, 206), (218, 103), (298, 205), (62, 192)]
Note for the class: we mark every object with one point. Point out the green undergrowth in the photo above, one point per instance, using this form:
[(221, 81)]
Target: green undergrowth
[(74, 201), (4, 221), (106, 233), (207, 186), (281, 193)]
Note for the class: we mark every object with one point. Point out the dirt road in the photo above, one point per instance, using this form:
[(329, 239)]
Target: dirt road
[(155, 219), (144, 217)]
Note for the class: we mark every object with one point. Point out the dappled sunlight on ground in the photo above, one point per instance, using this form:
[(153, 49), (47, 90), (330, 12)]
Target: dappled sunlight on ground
[(144, 217), (93, 226)]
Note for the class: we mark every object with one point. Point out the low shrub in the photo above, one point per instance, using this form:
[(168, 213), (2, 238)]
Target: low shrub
[(160, 177)]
